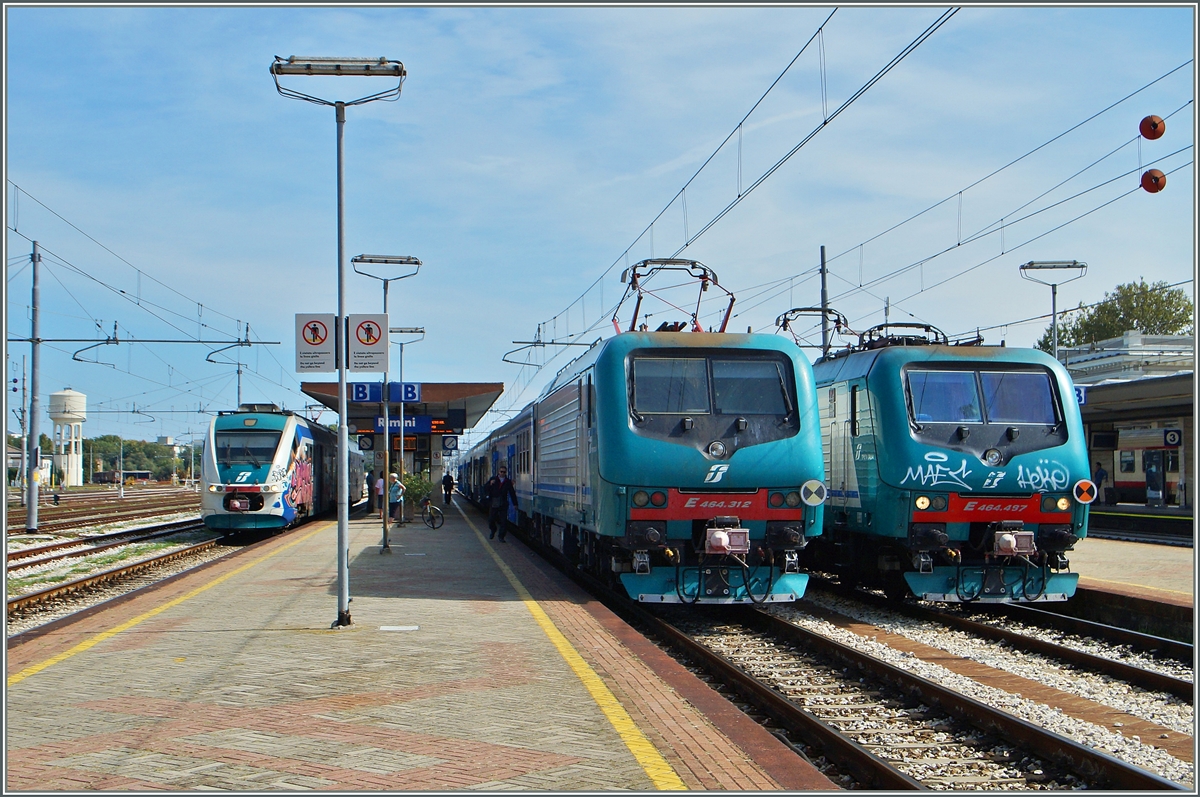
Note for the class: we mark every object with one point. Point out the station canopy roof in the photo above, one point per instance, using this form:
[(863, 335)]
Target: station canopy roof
[(437, 399)]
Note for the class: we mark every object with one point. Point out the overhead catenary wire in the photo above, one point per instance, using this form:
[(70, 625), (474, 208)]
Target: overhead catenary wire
[(155, 310), (743, 193), (18, 190)]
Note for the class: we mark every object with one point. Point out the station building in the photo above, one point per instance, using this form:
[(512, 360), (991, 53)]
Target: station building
[(435, 415), (1137, 399)]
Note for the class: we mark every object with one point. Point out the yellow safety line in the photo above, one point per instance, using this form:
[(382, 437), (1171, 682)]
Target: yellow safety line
[(661, 774), (1084, 579), (1107, 513), (125, 626)]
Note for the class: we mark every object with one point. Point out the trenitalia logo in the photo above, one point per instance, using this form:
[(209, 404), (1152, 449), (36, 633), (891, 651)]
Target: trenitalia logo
[(715, 473)]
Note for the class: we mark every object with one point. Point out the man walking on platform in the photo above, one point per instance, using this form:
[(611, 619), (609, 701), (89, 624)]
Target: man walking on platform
[(1100, 476), (498, 492)]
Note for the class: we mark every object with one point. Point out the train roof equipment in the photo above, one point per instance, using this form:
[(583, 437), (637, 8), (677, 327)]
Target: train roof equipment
[(636, 276)]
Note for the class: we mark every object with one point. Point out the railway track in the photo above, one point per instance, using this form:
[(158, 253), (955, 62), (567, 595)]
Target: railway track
[(900, 729), (86, 546), (888, 725), (82, 514), (1106, 661), (22, 603)]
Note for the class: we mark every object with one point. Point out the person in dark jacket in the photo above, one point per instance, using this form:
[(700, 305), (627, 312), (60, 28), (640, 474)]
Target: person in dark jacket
[(498, 493), (447, 488)]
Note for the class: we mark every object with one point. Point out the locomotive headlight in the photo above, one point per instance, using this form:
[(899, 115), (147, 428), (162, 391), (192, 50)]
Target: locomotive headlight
[(716, 449), (993, 457), (641, 498), (939, 503), (922, 502), (658, 498), (792, 499), (776, 500), (273, 488), (1064, 504), (216, 488)]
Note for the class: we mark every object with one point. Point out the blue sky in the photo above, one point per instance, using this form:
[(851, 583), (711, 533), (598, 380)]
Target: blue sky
[(530, 149)]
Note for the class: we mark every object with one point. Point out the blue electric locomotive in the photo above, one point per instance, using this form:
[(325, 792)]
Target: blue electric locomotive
[(957, 472), (263, 468), (686, 465)]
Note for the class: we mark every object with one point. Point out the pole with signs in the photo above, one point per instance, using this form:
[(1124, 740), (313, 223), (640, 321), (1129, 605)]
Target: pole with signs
[(387, 261), (363, 67)]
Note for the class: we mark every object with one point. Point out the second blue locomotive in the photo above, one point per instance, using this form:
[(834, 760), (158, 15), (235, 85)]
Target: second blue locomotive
[(957, 473)]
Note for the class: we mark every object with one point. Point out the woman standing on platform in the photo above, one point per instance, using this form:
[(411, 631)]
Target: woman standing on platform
[(395, 498)]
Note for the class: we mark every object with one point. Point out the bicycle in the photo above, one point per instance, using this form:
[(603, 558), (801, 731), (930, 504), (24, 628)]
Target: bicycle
[(431, 515)]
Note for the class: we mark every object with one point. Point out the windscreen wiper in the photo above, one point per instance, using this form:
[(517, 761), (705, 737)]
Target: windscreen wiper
[(787, 399)]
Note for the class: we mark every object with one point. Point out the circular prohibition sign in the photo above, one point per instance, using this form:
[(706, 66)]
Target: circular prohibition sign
[(315, 333), (367, 333)]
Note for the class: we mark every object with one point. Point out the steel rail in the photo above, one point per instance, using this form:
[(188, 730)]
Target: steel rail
[(146, 533), (21, 601), (847, 753), (1147, 643), (1146, 679), (1105, 770)]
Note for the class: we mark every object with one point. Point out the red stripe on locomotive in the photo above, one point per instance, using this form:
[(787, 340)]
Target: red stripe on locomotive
[(703, 506), (974, 509)]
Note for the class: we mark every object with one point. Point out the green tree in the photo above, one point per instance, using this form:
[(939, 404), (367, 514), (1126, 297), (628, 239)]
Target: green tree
[(1151, 308)]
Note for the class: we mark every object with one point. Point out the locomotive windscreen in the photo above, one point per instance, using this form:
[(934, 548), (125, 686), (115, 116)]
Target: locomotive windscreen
[(944, 396), (697, 386), (1018, 397), (749, 387), (670, 385), (1007, 397), (246, 448)]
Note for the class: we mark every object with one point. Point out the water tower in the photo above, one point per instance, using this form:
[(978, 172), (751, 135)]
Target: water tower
[(68, 410)]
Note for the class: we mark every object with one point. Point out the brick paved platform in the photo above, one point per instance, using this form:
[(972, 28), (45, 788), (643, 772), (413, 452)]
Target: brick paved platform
[(470, 665)]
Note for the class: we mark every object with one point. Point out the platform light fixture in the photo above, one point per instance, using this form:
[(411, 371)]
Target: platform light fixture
[(390, 261), (340, 67), (404, 331), (1053, 265)]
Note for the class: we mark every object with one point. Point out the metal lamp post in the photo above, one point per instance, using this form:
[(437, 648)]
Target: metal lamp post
[(386, 260), (363, 67), (1053, 265), (404, 331)]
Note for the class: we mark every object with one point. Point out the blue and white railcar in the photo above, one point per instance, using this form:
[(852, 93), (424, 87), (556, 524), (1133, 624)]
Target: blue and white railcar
[(263, 468)]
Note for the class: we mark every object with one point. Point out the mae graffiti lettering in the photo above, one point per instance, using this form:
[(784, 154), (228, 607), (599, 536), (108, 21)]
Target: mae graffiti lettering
[(937, 472), (1046, 475)]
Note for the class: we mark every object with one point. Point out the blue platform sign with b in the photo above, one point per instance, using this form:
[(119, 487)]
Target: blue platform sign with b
[(408, 392)]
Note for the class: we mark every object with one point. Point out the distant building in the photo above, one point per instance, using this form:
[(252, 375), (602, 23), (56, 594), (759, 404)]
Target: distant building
[(1137, 398), (1131, 356)]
